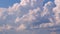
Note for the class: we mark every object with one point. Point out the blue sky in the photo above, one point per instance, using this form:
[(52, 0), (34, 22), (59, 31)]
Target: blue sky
[(7, 3), (29, 16)]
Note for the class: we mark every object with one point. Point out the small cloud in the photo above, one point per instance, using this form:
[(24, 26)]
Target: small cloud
[(21, 27), (17, 20), (1, 29), (5, 27), (53, 32)]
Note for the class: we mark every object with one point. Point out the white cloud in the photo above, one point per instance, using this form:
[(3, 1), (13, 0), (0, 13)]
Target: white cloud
[(28, 12), (13, 9), (55, 20), (17, 20), (2, 15), (30, 17), (53, 32), (57, 11), (57, 2), (1, 28), (24, 2), (5, 27), (21, 27), (26, 16)]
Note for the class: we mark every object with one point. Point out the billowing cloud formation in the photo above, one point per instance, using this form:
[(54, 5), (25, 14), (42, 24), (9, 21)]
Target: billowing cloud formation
[(56, 11), (30, 14), (55, 25)]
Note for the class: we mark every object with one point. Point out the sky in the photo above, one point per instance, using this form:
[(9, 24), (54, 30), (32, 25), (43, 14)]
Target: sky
[(7, 3), (29, 16)]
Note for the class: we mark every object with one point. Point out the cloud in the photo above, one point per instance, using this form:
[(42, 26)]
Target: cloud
[(55, 20), (24, 2), (30, 14), (1, 28), (21, 27), (53, 32), (2, 11), (17, 20), (57, 10), (25, 12), (5, 27)]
